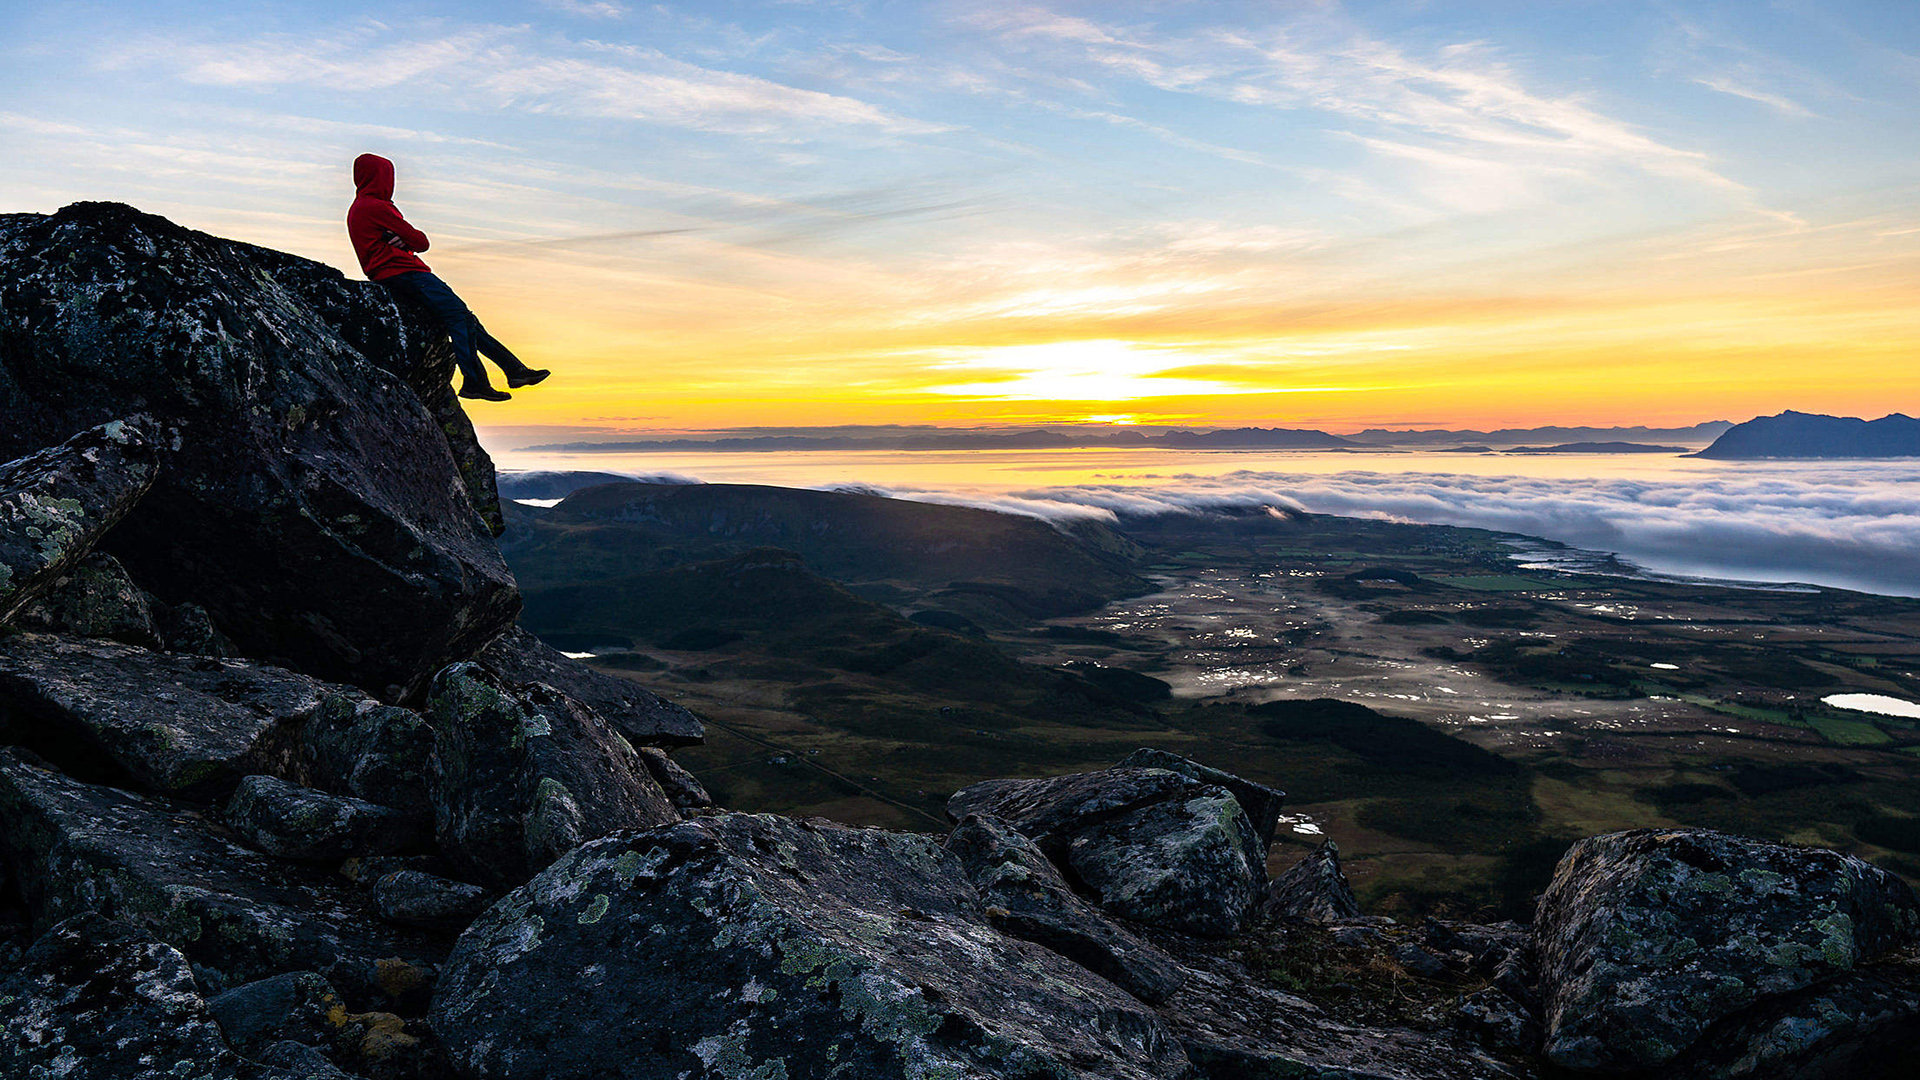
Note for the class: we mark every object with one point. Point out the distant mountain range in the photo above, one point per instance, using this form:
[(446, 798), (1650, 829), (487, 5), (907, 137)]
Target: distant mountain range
[(1034, 439), (1697, 435), (1809, 435)]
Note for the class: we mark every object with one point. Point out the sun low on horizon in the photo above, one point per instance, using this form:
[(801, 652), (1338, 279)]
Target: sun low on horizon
[(1312, 214)]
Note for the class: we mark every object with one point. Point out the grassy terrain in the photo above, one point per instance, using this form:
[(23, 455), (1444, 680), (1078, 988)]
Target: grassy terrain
[(1452, 722)]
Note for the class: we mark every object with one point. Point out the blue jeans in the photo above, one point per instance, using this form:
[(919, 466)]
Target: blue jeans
[(462, 328)]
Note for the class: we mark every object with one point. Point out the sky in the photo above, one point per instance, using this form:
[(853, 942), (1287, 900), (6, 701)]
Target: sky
[(1298, 214)]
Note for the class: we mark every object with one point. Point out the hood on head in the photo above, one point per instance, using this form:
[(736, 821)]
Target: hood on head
[(373, 175)]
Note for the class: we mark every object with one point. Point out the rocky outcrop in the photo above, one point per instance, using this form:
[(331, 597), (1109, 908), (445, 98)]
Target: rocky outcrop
[(56, 503), (1261, 802), (97, 1000), (749, 945), (1027, 897), (1148, 844), (354, 746), (306, 498), (1649, 937), (1314, 889), (638, 714), (237, 915), (95, 599), (162, 721), (525, 774), (293, 822)]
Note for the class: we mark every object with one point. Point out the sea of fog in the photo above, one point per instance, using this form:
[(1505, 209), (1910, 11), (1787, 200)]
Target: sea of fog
[(1848, 524)]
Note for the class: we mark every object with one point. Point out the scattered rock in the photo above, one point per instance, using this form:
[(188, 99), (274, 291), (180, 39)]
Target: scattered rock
[(96, 599), (1148, 844), (1050, 810), (295, 1006), (1314, 889), (1647, 937), (294, 822), (417, 898), (186, 627), (683, 790), (162, 721), (237, 915), (1499, 1021), (745, 945), (1027, 897), (56, 503), (352, 745), (95, 999), (527, 774), (307, 499), (1193, 864), (1235, 1028), (301, 1062), (643, 717), (1418, 961), (1261, 802)]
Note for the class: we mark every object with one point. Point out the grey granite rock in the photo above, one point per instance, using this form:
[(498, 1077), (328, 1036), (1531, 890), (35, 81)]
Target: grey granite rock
[(294, 822), (161, 867), (307, 498), (1152, 845), (56, 503), (1314, 889), (1261, 802), (163, 721), (758, 946), (1194, 864), (642, 716), (95, 599), (95, 999), (1648, 937), (1027, 897), (416, 898), (526, 774)]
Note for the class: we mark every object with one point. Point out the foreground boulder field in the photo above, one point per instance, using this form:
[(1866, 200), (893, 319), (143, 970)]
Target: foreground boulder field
[(284, 793)]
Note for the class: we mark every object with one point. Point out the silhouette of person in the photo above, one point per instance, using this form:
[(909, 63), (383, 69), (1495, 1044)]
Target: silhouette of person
[(386, 245)]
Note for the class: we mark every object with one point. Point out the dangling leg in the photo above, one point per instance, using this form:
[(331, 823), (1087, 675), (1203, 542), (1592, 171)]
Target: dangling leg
[(432, 293), (518, 373)]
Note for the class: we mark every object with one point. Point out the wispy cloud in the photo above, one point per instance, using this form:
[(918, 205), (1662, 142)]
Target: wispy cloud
[(1463, 115), (541, 74), (587, 9)]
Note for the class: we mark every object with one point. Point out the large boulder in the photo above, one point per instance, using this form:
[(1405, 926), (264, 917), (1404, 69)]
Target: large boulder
[(745, 945), (293, 822), (56, 503), (73, 848), (1149, 844), (525, 774), (95, 599), (1648, 937), (164, 722), (1261, 802), (1027, 897), (642, 716), (94, 999), (307, 498), (354, 746)]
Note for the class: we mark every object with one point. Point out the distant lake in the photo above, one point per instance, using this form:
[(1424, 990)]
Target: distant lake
[(1846, 524)]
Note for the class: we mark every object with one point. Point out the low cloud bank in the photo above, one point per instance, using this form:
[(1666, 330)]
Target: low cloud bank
[(1853, 526)]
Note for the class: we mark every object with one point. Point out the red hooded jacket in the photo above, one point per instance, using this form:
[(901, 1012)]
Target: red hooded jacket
[(373, 218)]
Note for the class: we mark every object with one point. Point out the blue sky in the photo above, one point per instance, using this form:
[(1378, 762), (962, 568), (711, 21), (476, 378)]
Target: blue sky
[(1214, 195)]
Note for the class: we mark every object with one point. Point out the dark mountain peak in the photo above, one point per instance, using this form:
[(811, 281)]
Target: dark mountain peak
[(1792, 434)]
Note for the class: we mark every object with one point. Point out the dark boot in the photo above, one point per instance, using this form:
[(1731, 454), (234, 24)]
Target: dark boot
[(527, 377), (483, 392)]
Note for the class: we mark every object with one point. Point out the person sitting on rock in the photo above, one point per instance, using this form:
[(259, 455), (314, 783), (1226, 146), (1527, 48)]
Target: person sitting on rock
[(386, 245)]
